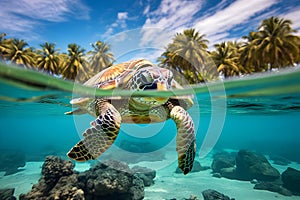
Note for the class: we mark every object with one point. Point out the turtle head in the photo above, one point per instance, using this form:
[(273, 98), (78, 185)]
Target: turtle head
[(151, 78)]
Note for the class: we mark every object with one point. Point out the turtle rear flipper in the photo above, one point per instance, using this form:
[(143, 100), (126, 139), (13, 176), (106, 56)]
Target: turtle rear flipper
[(99, 137), (185, 140)]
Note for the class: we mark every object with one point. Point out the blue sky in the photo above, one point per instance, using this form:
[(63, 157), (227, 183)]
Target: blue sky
[(136, 28)]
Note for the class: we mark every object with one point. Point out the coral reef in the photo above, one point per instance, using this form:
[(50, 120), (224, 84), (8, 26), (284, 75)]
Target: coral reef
[(111, 180), (11, 160), (106, 180), (54, 168), (58, 181)]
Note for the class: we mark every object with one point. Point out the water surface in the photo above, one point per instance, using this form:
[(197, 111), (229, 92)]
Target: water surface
[(259, 112)]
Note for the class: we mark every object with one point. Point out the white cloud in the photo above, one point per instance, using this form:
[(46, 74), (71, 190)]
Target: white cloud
[(146, 10), (237, 13), (108, 32), (171, 16), (157, 37), (217, 23), (24, 16), (120, 22), (122, 15)]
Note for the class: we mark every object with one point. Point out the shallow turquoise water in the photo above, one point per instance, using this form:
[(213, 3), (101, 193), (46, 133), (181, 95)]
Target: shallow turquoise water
[(260, 113)]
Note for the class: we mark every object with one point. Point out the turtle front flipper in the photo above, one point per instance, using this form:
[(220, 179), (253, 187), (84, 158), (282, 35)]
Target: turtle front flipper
[(78, 111), (185, 140), (99, 137)]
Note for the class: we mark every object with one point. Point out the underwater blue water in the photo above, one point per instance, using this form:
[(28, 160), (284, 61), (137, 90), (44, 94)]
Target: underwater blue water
[(33, 121), (259, 113)]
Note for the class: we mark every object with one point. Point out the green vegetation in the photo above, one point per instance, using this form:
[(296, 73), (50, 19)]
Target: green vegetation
[(227, 59), (75, 65), (188, 54), (48, 59), (274, 45), (15, 50), (100, 57)]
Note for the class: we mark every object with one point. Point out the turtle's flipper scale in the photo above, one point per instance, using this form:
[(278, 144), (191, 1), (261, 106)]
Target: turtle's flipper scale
[(185, 140), (99, 137), (80, 153)]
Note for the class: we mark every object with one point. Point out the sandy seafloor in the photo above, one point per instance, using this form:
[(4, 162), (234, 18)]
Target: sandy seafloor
[(168, 185)]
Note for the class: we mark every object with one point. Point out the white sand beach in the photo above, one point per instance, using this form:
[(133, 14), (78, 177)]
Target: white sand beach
[(167, 185)]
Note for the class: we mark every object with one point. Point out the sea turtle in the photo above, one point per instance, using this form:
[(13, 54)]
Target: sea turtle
[(110, 112)]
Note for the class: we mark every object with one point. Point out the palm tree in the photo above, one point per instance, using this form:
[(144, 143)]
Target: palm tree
[(48, 59), (226, 57), (279, 46), (188, 55), (100, 57), (274, 45), (297, 61), (169, 60), (4, 43), (75, 65), (18, 54), (248, 53)]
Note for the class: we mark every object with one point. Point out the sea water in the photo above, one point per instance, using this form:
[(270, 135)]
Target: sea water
[(259, 113)]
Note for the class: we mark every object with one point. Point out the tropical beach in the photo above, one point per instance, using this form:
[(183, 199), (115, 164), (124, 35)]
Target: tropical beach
[(150, 100), (273, 46)]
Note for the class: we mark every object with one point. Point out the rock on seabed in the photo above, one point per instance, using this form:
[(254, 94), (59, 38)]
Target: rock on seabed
[(291, 180), (108, 181), (7, 194), (250, 165), (214, 195)]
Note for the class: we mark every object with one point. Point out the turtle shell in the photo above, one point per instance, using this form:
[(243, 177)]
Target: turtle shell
[(112, 77), (117, 75)]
